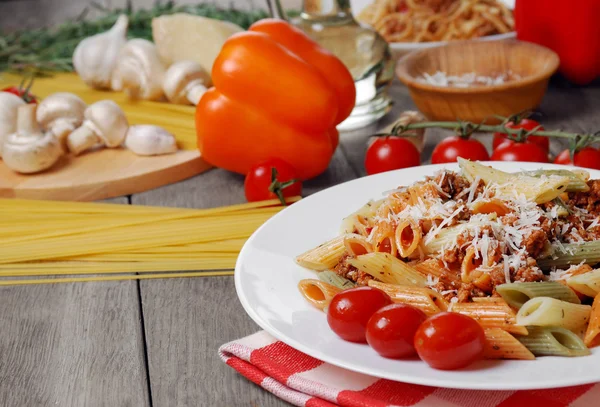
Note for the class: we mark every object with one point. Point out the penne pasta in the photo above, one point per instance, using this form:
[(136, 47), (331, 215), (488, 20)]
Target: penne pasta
[(317, 293), (407, 237), (491, 313), (357, 245), (517, 294), (539, 190), (577, 178), (553, 341), (382, 238), (331, 277), (365, 211), (592, 334), (586, 283), (424, 299), (487, 206), (471, 273), (572, 254), (323, 257), (388, 269), (434, 268), (546, 311), (471, 242), (499, 344)]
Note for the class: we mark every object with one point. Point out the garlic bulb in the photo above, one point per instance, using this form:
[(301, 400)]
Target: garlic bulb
[(29, 150), (95, 57), (139, 71), (9, 104)]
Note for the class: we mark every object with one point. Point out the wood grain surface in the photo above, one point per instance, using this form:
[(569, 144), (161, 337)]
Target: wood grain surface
[(108, 173), (101, 174), (72, 345), (83, 345)]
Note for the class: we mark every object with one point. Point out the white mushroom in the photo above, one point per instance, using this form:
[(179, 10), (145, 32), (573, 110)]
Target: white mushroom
[(29, 150), (61, 113), (139, 71), (9, 104), (105, 123), (150, 140), (184, 82), (95, 57)]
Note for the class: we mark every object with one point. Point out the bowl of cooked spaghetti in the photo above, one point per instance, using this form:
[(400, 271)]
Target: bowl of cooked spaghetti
[(409, 25)]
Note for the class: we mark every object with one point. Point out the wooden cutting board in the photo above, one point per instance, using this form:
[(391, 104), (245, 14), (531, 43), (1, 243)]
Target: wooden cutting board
[(108, 173)]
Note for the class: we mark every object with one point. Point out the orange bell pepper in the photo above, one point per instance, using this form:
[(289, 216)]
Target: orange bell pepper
[(278, 94)]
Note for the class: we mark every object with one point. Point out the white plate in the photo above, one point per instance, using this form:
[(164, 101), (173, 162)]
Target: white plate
[(400, 49), (266, 277)]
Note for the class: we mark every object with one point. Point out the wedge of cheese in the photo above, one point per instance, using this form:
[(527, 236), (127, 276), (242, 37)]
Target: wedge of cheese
[(186, 37)]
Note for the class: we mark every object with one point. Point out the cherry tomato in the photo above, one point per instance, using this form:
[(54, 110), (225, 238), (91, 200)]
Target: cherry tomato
[(350, 310), (528, 125), (449, 341), (391, 153), (587, 157), (449, 149), (22, 93), (391, 330), (527, 151), (259, 179)]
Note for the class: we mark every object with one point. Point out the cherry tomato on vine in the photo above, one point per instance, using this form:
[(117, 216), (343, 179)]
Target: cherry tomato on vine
[(391, 330), (350, 310), (587, 157), (449, 340), (528, 125), (391, 153), (449, 149), (22, 93), (511, 150), (259, 184)]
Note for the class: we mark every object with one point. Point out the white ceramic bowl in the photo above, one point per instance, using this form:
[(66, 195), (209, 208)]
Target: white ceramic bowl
[(399, 49)]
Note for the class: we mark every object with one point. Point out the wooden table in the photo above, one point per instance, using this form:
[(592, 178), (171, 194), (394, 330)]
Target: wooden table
[(154, 343)]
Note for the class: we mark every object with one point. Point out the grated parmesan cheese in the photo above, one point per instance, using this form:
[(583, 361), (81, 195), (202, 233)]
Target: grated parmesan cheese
[(466, 80)]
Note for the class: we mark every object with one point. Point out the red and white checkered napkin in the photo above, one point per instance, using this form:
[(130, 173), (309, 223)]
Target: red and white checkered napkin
[(305, 381)]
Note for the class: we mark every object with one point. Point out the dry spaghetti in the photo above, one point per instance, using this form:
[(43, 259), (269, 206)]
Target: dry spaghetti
[(110, 242), (437, 20)]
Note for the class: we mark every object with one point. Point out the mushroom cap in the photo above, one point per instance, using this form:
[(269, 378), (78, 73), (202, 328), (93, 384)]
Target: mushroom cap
[(61, 105), (31, 154), (29, 150), (9, 104), (178, 78), (108, 121), (147, 139)]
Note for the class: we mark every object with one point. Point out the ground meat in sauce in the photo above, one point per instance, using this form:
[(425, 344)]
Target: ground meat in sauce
[(350, 272), (529, 272), (576, 228), (535, 242), (548, 226), (589, 200), (453, 184)]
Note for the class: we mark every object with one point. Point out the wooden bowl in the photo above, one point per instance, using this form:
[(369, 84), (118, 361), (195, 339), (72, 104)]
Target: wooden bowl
[(533, 64)]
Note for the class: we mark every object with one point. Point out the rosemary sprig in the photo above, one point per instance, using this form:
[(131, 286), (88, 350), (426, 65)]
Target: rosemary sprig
[(46, 50)]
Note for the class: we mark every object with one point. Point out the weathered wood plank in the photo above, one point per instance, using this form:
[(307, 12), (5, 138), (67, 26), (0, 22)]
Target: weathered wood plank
[(72, 345), (187, 320)]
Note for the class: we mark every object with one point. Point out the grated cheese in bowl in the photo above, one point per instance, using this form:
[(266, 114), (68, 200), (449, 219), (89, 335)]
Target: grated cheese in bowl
[(466, 80)]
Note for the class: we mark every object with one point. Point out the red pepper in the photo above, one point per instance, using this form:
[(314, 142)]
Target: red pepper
[(569, 28)]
